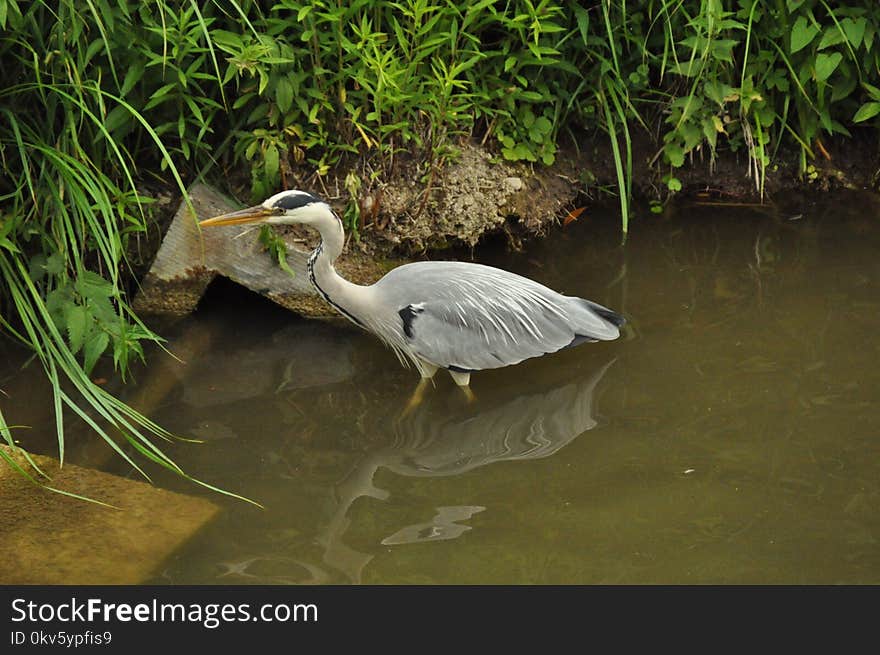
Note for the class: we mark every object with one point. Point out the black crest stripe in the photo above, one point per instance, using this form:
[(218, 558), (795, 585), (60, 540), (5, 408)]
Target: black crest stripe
[(295, 201)]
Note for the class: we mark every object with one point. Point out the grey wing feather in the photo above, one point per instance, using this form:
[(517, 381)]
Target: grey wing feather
[(472, 317)]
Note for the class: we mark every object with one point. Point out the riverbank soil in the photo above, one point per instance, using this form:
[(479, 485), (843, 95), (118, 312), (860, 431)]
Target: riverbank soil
[(478, 194)]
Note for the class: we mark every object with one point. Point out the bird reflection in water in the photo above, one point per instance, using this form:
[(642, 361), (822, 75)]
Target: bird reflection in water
[(442, 526), (433, 441)]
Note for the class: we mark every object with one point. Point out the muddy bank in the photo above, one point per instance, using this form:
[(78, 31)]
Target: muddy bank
[(840, 163), (474, 195), (479, 194)]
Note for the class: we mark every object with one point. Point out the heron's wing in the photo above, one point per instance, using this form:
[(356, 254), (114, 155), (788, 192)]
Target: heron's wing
[(474, 317)]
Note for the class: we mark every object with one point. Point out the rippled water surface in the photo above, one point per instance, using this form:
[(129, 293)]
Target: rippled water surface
[(730, 436)]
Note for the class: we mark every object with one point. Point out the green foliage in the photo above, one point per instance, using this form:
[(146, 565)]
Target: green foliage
[(532, 138), (276, 248), (750, 74)]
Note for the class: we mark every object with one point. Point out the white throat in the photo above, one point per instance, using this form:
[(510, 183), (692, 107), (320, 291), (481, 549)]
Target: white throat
[(347, 298)]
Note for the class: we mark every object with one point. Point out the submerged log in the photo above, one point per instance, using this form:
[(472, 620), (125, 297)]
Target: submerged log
[(190, 258)]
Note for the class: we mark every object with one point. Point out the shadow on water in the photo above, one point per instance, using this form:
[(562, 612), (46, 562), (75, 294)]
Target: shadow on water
[(729, 437)]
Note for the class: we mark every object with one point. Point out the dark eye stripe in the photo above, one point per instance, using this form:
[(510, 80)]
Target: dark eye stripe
[(295, 201)]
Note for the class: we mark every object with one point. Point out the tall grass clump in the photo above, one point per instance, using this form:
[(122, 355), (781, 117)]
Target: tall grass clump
[(74, 144)]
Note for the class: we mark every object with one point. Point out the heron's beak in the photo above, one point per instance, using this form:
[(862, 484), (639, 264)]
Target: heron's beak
[(249, 215)]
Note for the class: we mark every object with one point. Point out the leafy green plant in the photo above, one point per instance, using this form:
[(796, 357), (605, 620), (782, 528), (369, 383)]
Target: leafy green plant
[(533, 138), (871, 108), (276, 247), (757, 73)]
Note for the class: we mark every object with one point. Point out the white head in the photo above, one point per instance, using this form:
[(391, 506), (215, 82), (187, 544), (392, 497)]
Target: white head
[(285, 208)]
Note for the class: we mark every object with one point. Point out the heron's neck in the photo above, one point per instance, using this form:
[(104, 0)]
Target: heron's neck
[(335, 289)]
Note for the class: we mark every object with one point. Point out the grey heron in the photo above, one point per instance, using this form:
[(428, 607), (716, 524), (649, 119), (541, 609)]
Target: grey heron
[(459, 316)]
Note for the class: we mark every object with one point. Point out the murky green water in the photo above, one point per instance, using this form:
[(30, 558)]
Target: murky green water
[(731, 435)]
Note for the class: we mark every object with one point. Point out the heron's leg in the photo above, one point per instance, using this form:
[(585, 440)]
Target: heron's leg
[(427, 372), (463, 380), (417, 396)]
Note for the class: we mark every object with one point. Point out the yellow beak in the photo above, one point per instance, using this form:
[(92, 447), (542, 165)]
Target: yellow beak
[(249, 215)]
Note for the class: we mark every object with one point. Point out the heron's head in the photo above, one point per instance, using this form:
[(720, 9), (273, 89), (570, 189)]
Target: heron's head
[(285, 208)]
